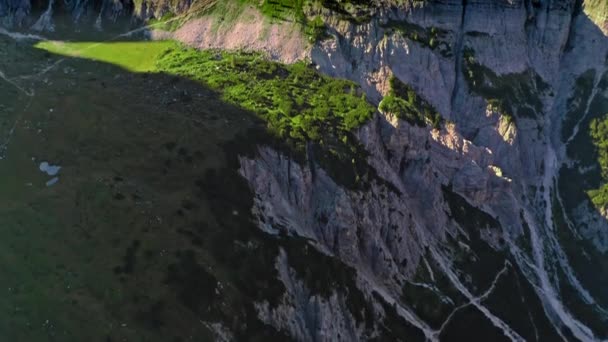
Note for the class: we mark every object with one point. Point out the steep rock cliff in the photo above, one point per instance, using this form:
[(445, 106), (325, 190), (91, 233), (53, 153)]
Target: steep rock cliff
[(529, 54)]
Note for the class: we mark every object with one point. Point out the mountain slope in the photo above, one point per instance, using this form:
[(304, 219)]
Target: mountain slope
[(460, 210)]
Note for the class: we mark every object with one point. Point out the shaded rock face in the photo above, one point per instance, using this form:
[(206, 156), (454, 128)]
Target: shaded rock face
[(39, 15), (14, 11), (25, 13)]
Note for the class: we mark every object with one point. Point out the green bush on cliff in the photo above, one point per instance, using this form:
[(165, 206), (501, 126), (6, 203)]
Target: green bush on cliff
[(499, 107), (315, 29), (280, 9), (403, 102), (517, 94), (598, 130), (433, 37), (599, 133)]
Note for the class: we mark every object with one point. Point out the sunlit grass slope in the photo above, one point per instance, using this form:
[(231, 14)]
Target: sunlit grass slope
[(133, 56)]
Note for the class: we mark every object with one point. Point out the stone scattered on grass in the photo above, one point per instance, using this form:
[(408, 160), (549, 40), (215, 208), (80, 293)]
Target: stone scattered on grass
[(49, 169), (52, 181)]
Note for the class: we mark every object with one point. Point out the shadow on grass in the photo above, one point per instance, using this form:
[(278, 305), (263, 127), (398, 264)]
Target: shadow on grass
[(148, 234)]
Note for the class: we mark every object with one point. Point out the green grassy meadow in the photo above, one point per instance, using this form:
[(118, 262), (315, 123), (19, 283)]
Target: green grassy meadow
[(133, 56)]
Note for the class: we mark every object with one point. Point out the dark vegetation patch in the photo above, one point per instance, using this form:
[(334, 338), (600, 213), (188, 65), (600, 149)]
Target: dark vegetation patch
[(572, 183), (583, 311), (195, 286), (590, 267), (437, 299), (427, 303), (316, 30), (481, 263), (393, 327), (435, 304), (324, 275), (577, 103), (525, 241), (406, 104), (130, 258), (355, 11), (515, 302), (292, 10), (586, 149), (152, 316), (514, 95), (477, 34), (470, 324), (433, 38)]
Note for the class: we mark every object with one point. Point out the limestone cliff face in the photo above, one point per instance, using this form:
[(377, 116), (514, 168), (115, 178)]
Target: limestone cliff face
[(506, 168), (384, 232)]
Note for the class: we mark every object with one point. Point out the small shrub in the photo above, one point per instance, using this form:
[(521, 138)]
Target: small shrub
[(598, 130), (403, 102)]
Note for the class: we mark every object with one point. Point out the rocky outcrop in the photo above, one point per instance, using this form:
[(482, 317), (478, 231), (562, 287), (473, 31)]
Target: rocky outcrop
[(303, 313), (385, 231), (250, 31)]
